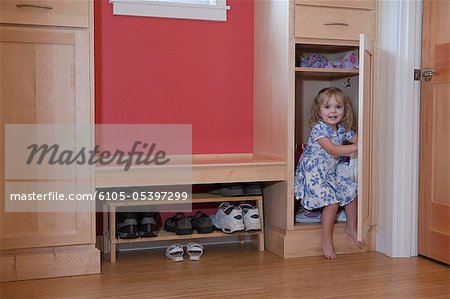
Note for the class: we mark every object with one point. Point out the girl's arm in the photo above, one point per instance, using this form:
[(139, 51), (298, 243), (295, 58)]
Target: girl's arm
[(337, 150)]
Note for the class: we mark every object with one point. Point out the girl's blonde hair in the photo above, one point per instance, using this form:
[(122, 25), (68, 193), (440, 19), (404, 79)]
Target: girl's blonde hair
[(324, 96)]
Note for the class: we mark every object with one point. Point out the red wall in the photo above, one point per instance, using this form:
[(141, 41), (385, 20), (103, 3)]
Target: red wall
[(173, 71)]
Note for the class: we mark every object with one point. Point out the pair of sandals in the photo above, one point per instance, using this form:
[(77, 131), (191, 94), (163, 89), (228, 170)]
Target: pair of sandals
[(175, 252)]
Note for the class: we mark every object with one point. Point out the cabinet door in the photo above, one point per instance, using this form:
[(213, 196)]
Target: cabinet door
[(365, 102), (45, 79)]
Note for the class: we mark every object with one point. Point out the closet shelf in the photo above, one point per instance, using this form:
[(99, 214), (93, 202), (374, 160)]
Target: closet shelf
[(330, 73)]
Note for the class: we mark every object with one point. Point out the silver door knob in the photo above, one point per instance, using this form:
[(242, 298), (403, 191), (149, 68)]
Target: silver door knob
[(427, 74)]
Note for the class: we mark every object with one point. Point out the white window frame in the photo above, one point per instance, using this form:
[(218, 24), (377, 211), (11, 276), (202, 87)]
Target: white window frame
[(167, 9)]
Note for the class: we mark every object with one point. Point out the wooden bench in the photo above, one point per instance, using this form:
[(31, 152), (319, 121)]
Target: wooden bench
[(205, 169)]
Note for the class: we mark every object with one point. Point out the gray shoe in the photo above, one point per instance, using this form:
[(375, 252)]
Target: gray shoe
[(252, 189), (229, 190)]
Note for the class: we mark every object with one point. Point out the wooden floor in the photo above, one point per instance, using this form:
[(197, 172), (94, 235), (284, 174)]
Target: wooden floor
[(239, 271)]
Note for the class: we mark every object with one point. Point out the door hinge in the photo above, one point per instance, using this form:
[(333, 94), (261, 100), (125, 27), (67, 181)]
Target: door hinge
[(417, 74)]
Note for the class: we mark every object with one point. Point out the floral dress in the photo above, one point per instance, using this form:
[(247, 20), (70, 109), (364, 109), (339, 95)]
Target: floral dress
[(317, 183)]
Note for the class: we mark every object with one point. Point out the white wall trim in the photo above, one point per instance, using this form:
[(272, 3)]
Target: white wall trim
[(150, 8), (399, 53), (415, 142)]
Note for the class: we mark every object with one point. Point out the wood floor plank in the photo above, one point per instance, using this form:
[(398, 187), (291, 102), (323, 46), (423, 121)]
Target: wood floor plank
[(236, 270)]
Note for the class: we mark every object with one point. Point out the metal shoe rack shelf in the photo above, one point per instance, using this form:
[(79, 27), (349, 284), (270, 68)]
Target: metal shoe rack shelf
[(113, 241)]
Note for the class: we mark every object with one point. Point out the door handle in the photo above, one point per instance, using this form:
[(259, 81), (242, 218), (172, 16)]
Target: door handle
[(26, 5), (335, 24), (427, 74)]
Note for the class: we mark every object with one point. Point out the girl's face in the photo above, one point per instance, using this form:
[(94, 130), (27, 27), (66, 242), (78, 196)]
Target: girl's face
[(332, 112)]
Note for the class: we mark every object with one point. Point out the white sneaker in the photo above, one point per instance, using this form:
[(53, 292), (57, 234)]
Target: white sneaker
[(228, 218), (251, 217)]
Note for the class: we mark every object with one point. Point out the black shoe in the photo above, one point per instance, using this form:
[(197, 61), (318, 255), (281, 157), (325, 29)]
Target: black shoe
[(148, 224), (184, 226), (170, 225), (202, 223), (126, 225), (179, 224)]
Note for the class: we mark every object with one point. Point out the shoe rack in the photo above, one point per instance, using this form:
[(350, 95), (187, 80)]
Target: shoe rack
[(112, 241)]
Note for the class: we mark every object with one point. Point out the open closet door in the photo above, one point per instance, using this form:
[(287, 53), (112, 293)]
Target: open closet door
[(364, 138)]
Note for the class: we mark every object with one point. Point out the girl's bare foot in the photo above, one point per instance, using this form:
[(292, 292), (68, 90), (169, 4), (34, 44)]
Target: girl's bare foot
[(328, 250), (352, 234)]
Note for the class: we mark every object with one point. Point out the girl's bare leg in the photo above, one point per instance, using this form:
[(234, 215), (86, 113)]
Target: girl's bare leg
[(350, 228), (328, 215)]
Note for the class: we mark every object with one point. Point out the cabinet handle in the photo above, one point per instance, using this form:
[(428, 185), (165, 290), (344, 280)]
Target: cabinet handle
[(336, 24), (43, 6)]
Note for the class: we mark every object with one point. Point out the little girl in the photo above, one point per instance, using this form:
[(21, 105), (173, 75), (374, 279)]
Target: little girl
[(316, 182)]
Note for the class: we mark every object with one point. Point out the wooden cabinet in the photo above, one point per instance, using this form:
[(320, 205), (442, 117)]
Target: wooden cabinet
[(284, 93), (46, 78)]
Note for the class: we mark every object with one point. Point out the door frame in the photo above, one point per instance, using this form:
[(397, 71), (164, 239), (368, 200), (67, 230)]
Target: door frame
[(399, 31)]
